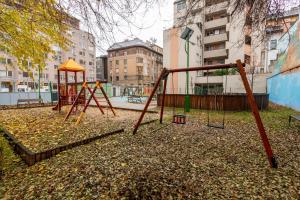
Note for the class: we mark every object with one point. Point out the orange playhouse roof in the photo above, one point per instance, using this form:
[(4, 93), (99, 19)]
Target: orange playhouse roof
[(72, 66)]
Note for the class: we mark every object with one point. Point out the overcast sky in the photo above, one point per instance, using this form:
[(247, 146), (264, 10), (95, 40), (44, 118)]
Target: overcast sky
[(157, 19)]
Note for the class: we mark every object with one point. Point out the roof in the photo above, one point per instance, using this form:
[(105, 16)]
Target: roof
[(71, 66), (128, 43), (136, 42)]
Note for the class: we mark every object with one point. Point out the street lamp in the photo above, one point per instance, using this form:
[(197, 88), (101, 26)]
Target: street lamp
[(186, 35)]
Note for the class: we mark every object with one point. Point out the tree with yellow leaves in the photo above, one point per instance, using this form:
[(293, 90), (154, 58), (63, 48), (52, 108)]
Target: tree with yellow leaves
[(29, 29)]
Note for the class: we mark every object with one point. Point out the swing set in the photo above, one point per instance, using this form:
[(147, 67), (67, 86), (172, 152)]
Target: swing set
[(176, 118)]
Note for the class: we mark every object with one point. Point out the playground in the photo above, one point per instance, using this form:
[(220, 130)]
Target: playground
[(183, 161), (160, 153)]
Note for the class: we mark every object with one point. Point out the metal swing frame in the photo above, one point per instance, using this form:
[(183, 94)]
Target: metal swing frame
[(164, 76)]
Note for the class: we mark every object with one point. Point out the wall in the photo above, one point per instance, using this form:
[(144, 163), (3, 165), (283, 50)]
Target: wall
[(284, 84)]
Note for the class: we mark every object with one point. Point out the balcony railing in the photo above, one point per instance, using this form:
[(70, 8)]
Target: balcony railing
[(215, 38), (215, 53), (216, 7), (216, 23)]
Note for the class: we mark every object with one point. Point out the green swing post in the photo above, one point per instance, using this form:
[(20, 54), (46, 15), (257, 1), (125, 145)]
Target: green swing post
[(186, 35), (187, 100)]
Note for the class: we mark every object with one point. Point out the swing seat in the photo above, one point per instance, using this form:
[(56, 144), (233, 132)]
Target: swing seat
[(179, 119)]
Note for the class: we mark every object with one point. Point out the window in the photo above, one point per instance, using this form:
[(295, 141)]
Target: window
[(55, 66), (25, 74), (181, 5), (125, 77), (248, 40), (2, 73), (9, 73), (139, 60), (117, 78), (125, 62), (91, 63), (273, 44), (247, 59), (117, 62)]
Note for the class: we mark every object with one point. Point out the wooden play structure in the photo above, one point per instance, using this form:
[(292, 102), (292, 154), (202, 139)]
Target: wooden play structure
[(240, 67), (92, 96), (67, 93)]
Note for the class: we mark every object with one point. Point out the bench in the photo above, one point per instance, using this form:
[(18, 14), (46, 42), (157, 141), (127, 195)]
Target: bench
[(135, 99), (293, 117), (29, 102)]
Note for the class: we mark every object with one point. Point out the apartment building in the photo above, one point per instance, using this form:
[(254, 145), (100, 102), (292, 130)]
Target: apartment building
[(276, 27), (134, 65), (82, 50), (218, 39), (102, 67)]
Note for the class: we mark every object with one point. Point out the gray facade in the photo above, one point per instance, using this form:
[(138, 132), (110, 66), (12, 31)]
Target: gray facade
[(101, 68)]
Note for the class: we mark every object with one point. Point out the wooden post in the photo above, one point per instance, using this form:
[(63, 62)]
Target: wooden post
[(95, 99), (162, 74), (67, 92), (84, 92), (75, 78), (253, 105), (58, 90), (75, 102), (163, 101)]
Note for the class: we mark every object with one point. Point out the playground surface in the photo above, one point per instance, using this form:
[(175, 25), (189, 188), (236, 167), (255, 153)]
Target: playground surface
[(40, 129), (122, 102), (188, 161)]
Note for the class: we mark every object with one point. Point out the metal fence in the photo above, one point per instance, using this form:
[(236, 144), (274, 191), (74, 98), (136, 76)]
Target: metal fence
[(11, 98)]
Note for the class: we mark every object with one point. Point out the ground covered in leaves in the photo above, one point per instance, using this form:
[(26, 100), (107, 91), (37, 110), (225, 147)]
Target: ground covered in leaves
[(40, 129), (175, 162)]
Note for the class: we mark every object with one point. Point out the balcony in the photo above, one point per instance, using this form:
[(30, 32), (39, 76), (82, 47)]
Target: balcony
[(216, 23), (215, 38), (216, 8), (215, 53)]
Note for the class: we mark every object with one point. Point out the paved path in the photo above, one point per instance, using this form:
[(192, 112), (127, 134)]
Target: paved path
[(122, 103)]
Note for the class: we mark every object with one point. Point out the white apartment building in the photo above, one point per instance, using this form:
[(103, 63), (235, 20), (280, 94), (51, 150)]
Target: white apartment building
[(82, 50), (218, 39)]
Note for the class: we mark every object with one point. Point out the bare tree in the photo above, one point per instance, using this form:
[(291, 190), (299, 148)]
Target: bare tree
[(103, 18)]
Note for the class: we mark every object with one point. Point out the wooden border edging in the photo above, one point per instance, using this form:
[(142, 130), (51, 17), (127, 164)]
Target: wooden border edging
[(3, 107), (31, 158)]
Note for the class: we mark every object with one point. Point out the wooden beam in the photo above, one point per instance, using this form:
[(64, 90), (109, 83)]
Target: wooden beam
[(163, 73), (259, 123), (163, 101), (205, 67)]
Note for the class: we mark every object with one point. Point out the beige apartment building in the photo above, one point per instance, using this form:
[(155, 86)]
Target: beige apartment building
[(218, 38), (134, 66), (82, 50)]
